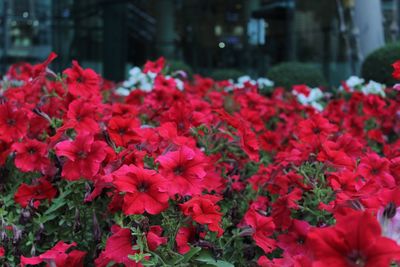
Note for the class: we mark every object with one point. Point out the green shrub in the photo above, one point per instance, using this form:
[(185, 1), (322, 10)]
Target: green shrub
[(377, 66), (225, 74), (288, 74), (176, 65)]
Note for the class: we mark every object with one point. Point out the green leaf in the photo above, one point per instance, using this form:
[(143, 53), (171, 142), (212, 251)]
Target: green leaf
[(207, 258), (56, 204), (188, 256)]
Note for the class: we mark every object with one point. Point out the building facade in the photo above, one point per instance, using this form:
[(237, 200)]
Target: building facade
[(249, 35)]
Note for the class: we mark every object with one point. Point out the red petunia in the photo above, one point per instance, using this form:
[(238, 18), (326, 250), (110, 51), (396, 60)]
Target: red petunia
[(184, 236), (262, 227), (373, 167), (302, 89), (14, 122), (41, 190), (249, 142), (58, 256), (154, 238), (2, 252), (355, 240), (145, 190), (83, 157), (82, 82), (396, 71), (154, 66), (316, 128), (82, 116), (184, 169), (203, 210), (31, 155), (122, 130), (117, 249)]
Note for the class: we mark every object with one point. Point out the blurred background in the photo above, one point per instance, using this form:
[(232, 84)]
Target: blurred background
[(213, 37)]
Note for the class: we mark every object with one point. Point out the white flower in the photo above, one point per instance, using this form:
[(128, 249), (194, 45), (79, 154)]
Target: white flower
[(146, 87), (390, 226), (312, 99), (317, 106), (152, 75), (302, 99), (315, 95), (122, 91), (264, 82), (374, 88), (354, 81), (179, 84), (135, 71), (243, 79)]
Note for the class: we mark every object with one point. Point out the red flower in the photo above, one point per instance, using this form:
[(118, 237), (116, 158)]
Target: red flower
[(316, 128), (183, 237), (122, 130), (42, 190), (355, 240), (82, 82), (184, 169), (145, 190), (154, 66), (2, 252), (203, 210), (84, 157), (292, 242), (302, 89), (396, 71), (31, 155), (373, 167), (281, 208), (82, 116), (263, 227), (249, 142), (117, 249), (154, 238), (57, 256), (13, 122)]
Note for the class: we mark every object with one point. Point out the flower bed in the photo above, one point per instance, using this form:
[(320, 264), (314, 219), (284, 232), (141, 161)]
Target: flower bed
[(163, 171)]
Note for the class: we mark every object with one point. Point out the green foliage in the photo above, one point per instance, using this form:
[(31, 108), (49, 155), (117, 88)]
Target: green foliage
[(226, 74), (40, 228), (321, 192), (288, 74), (378, 65), (177, 65)]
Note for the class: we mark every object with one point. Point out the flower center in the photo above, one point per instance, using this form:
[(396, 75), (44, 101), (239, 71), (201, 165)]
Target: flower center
[(121, 131), (10, 121), (356, 259), (31, 150), (375, 171), (82, 154), (80, 79), (142, 187), (316, 130), (179, 170)]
